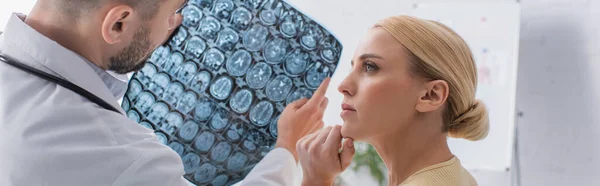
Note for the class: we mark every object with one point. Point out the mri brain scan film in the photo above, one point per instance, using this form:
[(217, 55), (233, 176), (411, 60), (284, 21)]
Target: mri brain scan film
[(215, 90)]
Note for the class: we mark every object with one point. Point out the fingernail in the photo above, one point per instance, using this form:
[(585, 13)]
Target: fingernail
[(350, 144)]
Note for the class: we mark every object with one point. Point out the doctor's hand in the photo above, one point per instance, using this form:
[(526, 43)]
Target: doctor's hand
[(320, 158), (301, 118)]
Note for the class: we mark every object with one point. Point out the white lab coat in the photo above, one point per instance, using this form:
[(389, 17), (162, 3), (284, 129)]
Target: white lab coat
[(52, 136)]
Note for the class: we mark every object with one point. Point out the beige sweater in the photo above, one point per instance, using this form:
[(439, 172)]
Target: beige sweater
[(449, 173)]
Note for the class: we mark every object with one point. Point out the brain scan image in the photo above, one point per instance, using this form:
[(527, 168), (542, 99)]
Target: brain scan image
[(275, 50), (219, 121), (208, 29), (261, 114), (133, 115), (298, 94), (204, 141), (273, 127), (177, 147), (204, 109), (147, 125), (239, 62), (146, 73), (187, 102), (160, 55), (255, 37), (236, 130), (194, 47), (162, 137), (279, 88), (135, 88), (159, 83), (258, 76), (241, 101), (221, 88), (173, 92), (172, 121), (144, 101), (296, 62), (179, 37), (201, 81), (125, 104), (241, 18), (157, 112), (192, 16), (188, 131), (213, 92), (227, 39), (186, 71), (214, 58), (190, 162)]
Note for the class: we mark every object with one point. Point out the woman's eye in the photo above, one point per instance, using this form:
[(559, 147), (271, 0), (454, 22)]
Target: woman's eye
[(369, 66)]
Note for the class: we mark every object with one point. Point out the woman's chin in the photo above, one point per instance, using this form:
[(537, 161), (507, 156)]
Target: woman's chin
[(348, 132)]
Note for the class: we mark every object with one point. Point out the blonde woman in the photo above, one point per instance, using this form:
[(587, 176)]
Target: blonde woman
[(412, 85)]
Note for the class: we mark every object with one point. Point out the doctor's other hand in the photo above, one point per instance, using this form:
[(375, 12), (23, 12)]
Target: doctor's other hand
[(320, 158), (301, 118)]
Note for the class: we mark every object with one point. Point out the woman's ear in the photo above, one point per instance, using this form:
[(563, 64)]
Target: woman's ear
[(433, 96)]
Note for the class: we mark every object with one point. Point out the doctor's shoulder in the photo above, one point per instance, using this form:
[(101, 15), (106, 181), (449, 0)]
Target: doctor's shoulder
[(77, 142)]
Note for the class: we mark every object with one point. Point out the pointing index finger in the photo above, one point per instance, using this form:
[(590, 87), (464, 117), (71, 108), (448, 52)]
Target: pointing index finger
[(319, 95)]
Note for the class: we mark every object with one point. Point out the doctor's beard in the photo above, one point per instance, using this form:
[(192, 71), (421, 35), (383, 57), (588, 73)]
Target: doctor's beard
[(134, 56)]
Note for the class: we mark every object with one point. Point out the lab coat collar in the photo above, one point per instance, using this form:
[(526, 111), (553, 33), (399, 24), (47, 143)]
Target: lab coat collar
[(116, 83), (61, 61)]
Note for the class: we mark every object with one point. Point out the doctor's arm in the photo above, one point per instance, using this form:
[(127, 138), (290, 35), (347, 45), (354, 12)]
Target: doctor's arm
[(297, 120)]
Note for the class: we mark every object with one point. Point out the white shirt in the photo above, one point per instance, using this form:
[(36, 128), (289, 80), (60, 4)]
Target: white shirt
[(52, 136)]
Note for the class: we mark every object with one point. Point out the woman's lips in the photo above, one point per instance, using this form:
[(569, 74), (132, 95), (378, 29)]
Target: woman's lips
[(347, 109)]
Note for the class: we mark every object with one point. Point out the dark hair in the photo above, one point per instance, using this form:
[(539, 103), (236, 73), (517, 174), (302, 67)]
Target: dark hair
[(78, 8)]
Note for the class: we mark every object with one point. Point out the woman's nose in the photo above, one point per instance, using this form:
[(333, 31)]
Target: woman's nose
[(347, 87)]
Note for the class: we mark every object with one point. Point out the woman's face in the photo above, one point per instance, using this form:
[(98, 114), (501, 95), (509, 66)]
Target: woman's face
[(380, 94)]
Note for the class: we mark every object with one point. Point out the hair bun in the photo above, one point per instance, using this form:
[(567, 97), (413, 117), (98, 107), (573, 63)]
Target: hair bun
[(473, 124)]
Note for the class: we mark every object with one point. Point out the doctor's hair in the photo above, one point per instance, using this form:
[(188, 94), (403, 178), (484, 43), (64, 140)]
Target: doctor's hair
[(79, 8), (436, 52)]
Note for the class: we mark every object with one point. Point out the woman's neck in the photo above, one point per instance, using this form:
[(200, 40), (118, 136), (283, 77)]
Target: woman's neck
[(407, 152)]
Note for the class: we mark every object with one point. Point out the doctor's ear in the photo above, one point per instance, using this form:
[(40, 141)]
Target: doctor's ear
[(118, 21), (433, 96)]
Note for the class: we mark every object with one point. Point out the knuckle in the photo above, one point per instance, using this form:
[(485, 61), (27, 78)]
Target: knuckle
[(303, 146), (299, 149), (301, 142), (314, 151)]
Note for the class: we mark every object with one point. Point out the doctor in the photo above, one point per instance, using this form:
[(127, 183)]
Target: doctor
[(54, 136)]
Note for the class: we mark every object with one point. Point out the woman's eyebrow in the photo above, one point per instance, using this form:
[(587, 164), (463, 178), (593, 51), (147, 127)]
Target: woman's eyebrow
[(369, 55)]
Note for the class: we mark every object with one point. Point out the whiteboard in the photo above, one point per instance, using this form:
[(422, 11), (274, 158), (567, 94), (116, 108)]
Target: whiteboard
[(491, 29)]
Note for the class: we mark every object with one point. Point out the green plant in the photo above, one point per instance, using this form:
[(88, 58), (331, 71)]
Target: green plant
[(366, 156)]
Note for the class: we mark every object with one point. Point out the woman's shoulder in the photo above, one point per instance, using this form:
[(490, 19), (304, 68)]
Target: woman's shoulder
[(449, 173)]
